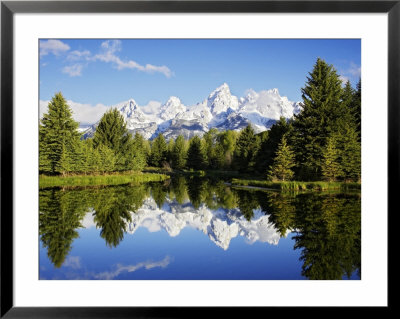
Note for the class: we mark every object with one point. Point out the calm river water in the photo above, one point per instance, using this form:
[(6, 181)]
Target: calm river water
[(192, 228)]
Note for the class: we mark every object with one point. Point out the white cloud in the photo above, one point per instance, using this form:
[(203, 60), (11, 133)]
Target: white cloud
[(344, 79), (112, 45), (82, 113), (78, 55), (353, 73), (153, 107), (73, 262), (354, 70), (73, 70), (131, 268), (108, 55), (55, 47)]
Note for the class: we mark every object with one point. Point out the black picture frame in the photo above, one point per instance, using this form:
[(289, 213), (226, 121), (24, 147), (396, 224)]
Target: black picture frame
[(9, 8)]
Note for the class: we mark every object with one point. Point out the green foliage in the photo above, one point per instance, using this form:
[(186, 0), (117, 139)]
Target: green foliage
[(297, 186), (269, 144), (137, 155), (350, 153), (356, 108), (99, 180), (159, 151), (227, 141), (246, 149), (58, 137), (210, 148), (281, 169), (330, 164), (179, 154), (112, 133), (321, 116), (196, 157)]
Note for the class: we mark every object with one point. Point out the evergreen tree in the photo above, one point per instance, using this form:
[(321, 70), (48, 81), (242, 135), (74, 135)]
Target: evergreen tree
[(246, 149), (138, 153), (350, 153), (179, 153), (158, 153), (107, 158), (283, 163), (210, 142), (357, 108), (348, 95), (58, 135), (196, 157), (269, 144), (95, 161), (112, 133), (170, 149), (322, 114), (330, 165), (227, 140)]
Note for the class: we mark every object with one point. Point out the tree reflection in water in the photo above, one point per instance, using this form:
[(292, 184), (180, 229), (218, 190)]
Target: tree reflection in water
[(326, 227)]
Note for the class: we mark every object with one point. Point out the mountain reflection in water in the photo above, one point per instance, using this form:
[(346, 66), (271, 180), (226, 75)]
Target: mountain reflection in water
[(324, 228)]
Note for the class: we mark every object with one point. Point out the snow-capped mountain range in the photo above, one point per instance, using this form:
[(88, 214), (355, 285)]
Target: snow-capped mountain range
[(221, 110)]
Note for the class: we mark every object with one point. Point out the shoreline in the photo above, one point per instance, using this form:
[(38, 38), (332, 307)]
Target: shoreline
[(100, 180)]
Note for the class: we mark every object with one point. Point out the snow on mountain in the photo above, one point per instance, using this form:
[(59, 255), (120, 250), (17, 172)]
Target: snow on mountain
[(220, 100), (172, 108), (220, 109), (261, 107)]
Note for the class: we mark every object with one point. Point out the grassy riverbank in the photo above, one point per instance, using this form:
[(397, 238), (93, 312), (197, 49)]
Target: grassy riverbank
[(99, 180), (298, 186)]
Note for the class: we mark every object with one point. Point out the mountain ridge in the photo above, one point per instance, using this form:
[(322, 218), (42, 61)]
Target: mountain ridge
[(220, 110)]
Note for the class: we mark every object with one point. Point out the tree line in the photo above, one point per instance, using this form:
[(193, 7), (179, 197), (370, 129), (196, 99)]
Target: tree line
[(321, 142)]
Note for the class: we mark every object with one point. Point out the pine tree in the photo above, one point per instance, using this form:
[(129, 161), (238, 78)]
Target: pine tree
[(179, 153), (247, 146), (138, 154), (107, 158), (94, 161), (57, 136), (350, 153), (284, 161), (170, 149), (227, 140), (196, 157), (330, 165), (357, 108), (158, 153), (269, 144), (112, 133), (322, 114), (210, 141)]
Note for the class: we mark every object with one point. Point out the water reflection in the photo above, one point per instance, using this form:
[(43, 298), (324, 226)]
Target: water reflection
[(326, 227)]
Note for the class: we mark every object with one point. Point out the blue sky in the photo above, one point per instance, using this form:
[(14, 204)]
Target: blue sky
[(101, 71)]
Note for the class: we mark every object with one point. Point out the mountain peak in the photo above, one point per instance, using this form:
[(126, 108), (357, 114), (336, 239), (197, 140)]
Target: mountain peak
[(274, 91), (223, 88), (221, 99), (173, 100), (221, 110), (171, 108)]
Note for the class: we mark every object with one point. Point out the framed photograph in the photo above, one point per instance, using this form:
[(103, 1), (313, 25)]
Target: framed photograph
[(158, 156)]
